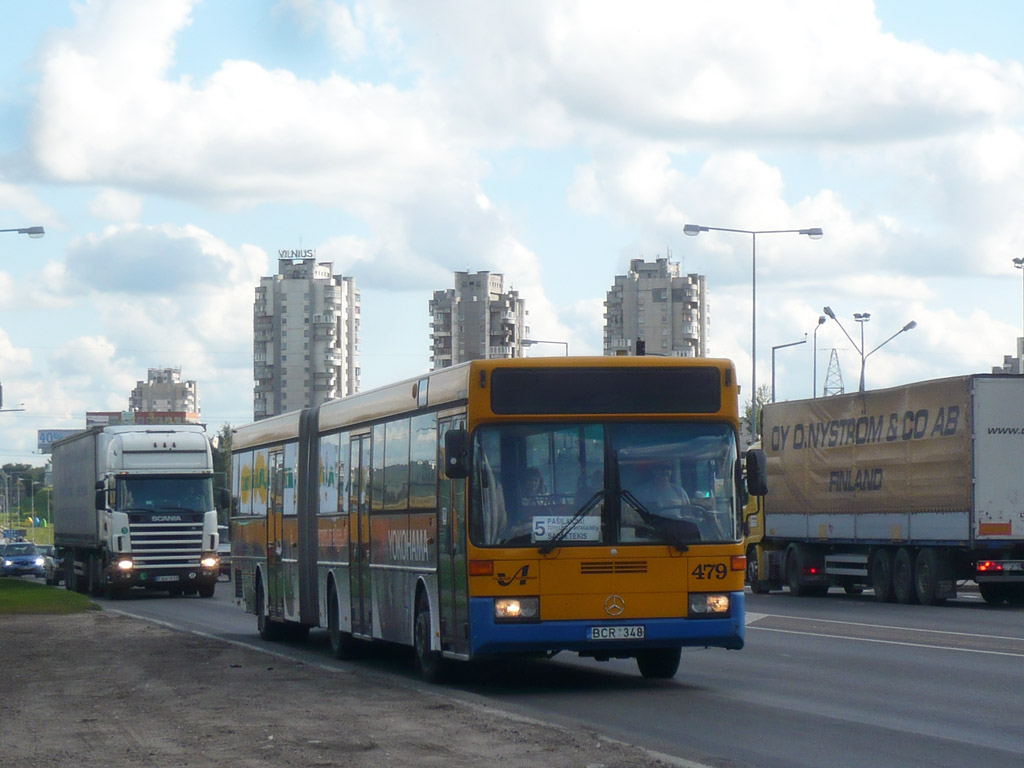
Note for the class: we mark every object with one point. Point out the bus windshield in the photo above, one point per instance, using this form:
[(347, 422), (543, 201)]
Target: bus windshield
[(600, 484)]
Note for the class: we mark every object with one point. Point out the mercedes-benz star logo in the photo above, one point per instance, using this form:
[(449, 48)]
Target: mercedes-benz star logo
[(614, 605)]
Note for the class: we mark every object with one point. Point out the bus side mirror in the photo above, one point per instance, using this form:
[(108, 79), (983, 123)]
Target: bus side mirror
[(757, 472), (456, 454)]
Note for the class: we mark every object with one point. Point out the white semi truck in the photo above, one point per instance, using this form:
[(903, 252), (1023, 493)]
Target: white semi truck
[(133, 506), (906, 491)]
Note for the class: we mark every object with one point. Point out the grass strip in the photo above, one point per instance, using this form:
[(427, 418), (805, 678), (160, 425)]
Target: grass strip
[(18, 595)]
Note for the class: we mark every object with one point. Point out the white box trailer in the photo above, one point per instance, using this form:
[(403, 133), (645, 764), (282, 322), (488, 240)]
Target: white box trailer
[(133, 506), (906, 490)]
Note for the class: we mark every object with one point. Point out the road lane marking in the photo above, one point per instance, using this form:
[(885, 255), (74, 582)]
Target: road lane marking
[(892, 642), (880, 626)]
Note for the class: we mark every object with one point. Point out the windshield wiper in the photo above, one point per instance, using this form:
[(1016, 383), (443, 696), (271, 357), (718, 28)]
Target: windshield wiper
[(657, 521), (572, 522)]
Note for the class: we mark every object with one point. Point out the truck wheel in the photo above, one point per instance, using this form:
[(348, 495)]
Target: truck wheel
[(927, 568), (757, 586), (881, 575), (207, 590), (903, 577), (794, 572), (658, 663)]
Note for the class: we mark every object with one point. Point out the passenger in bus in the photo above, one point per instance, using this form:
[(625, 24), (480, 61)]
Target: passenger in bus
[(533, 485), (657, 491)]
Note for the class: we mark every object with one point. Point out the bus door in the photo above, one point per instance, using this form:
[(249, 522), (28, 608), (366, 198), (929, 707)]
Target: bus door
[(452, 577), (359, 534), (275, 536)]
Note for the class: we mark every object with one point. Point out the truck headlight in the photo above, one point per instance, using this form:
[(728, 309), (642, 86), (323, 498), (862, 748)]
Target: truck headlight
[(704, 604), (210, 561), (511, 609), (124, 564)]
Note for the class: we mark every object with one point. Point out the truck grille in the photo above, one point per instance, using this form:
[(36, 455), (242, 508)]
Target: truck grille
[(167, 544)]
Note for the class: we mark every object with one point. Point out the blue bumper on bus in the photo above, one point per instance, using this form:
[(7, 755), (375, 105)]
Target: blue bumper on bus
[(488, 638)]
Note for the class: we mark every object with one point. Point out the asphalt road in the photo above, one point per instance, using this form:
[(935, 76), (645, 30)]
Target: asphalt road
[(841, 681)]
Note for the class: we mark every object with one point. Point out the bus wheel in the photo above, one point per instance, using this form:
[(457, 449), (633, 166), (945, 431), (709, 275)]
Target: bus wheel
[(658, 663), (267, 628), (341, 642), (757, 586), (881, 575), (903, 577), (429, 663)]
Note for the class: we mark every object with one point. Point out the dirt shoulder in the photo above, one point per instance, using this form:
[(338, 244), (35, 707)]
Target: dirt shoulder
[(104, 689)]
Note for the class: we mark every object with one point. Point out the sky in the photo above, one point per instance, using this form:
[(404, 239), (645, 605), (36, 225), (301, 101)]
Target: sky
[(171, 148)]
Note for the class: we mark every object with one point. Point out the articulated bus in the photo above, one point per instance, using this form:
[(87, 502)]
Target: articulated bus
[(501, 508)]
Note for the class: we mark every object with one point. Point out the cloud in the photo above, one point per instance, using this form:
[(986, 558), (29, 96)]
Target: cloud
[(115, 205)]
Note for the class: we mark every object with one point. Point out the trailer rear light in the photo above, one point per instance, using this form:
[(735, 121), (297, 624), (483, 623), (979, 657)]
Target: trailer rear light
[(989, 566)]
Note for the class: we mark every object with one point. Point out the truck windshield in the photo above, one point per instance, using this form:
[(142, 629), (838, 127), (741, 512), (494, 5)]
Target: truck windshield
[(156, 494), (599, 484)]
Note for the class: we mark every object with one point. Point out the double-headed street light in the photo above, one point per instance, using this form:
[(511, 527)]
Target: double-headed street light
[(814, 233), (863, 317), (34, 232)]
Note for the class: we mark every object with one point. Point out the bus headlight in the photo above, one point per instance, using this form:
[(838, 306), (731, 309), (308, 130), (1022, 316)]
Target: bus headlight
[(210, 561), (125, 564), (703, 604), (509, 609)]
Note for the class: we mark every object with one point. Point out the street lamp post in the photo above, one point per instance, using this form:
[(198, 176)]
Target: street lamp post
[(1018, 262), (814, 363), (531, 342), (814, 233), (863, 317), (781, 346), (33, 232)]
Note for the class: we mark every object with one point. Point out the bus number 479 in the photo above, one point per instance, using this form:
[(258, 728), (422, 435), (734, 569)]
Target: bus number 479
[(709, 571)]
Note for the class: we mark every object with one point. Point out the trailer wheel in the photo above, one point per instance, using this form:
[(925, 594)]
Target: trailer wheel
[(757, 586), (993, 594), (927, 568), (658, 663), (881, 575), (903, 577)]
